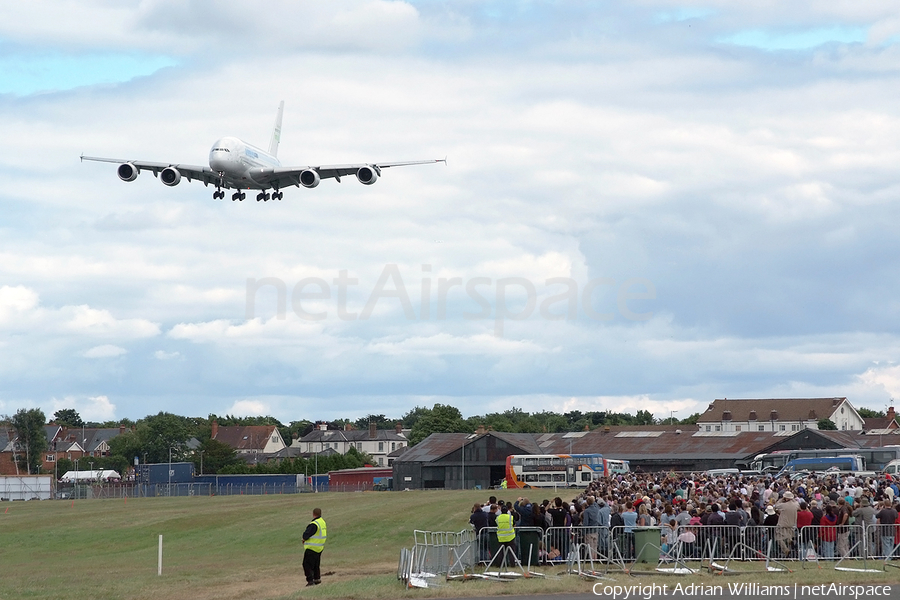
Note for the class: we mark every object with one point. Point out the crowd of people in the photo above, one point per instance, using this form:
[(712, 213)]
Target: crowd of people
[(812, 514)]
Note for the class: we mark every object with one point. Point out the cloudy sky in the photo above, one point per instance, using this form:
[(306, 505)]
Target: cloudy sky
[(647, 205)]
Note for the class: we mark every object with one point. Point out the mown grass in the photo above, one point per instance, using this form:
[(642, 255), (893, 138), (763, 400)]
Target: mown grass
[(249, 547)]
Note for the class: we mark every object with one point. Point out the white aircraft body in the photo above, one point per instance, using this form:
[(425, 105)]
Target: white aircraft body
[(235, 164)]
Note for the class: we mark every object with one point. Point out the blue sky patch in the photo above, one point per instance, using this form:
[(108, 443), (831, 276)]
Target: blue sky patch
[(30, 74), (683, 14), (795, 40)]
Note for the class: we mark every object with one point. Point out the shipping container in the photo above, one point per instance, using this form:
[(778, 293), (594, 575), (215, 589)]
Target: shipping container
[(157, 473), (364, 478)]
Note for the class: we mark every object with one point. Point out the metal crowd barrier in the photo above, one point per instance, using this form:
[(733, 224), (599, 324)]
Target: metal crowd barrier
[(535, 545), (434, 552)]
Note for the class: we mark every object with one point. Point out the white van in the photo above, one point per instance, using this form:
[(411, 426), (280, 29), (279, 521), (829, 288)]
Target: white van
[(723, 472), (892, 468)]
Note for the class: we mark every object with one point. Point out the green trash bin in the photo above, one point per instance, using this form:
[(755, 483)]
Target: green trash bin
[(646, 544)]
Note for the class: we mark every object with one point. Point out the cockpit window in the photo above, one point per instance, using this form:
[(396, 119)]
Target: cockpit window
[(221, 150)]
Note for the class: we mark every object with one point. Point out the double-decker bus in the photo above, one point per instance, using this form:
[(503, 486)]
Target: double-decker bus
[(553, 470)]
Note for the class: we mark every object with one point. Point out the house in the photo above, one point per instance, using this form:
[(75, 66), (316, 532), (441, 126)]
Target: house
[(248, 440), (881, 425), (377, 443), (780, 415)]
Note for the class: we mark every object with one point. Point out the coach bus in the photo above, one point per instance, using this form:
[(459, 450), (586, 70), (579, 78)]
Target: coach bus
[(553, 470), (876, 458)]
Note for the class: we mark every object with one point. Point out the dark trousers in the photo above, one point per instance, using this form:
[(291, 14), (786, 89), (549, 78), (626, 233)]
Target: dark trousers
[(311, 562)]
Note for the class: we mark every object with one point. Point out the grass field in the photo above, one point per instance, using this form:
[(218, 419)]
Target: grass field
[(249, 547)]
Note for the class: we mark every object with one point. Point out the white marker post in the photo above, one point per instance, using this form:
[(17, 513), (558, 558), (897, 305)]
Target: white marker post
[(159, 562)]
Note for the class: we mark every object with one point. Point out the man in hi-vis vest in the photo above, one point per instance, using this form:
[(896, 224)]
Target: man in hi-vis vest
[(313, 544)]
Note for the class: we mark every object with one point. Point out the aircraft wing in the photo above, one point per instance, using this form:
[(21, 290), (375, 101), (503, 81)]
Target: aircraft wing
[(282, 177), (189, 172)]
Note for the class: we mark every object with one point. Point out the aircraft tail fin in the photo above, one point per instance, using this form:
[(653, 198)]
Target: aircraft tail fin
[(276, 133)]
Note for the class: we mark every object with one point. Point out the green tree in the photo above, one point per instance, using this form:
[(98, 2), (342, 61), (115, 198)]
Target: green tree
[(439, 419), (644, 417), (164, 431), (68, 417), (381, 421), (216, 456), (127, 446), (152, 438), (32, 441), (691, 420), (868, 413), (827, 425)]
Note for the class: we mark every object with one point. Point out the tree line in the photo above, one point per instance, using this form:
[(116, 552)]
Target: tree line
[(152, 438)]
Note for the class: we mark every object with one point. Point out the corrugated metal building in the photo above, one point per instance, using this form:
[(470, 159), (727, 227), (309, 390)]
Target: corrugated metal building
[(437, 461)]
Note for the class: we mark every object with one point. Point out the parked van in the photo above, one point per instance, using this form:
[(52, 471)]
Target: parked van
[(849, 463), (723, 472), (892, 468)]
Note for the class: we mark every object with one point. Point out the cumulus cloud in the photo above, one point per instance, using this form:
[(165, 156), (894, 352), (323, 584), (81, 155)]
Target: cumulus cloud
[(744, 183), (90, 408), (249, 408)]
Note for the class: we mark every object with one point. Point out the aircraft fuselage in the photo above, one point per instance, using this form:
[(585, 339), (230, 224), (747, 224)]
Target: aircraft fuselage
[(239, 161)]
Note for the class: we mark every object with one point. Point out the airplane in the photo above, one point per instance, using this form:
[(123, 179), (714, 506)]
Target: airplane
[(235, 164)]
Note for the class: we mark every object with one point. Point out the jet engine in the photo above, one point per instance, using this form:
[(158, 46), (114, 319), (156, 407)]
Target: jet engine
[(170, 176), (309, 178), (127, 172), (367, 175)]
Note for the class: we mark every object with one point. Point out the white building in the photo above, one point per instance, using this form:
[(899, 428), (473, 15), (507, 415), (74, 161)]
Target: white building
[(778, 415), (377, 443)]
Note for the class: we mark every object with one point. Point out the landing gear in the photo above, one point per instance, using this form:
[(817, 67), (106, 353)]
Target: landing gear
[(262, 196), (238, 196), (218, 195), (277, 195)]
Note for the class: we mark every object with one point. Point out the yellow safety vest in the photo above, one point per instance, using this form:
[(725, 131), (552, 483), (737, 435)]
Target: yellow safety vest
[(317, 542), (503, 484), (505, 531)]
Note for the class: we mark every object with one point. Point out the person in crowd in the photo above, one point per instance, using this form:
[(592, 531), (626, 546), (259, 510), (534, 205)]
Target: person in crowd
[(590, 521), (828, 532), (479, 520), (786, 527), (886, 518), (629, 520)]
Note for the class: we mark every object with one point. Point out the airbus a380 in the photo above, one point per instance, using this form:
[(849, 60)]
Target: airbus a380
[(235, 164)]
